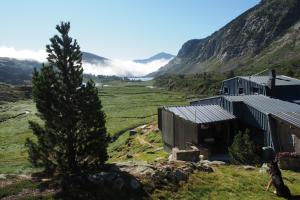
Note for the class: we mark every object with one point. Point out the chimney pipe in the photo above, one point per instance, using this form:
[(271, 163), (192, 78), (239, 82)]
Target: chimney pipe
[(272, 82)]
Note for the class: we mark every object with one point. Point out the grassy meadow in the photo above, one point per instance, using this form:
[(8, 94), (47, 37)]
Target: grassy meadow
[(130, 104), (230, 182), (126, 104)]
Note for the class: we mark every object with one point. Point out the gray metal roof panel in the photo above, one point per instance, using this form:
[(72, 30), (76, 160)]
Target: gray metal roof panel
[(201, 114), (265, 104), (291, 117), (281, 80)]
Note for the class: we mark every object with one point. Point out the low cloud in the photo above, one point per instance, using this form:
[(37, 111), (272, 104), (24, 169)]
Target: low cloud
[(11, 52), (123, 68), (116, 67)]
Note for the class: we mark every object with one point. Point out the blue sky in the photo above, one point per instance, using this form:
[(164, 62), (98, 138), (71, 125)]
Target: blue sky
[(124, 29)]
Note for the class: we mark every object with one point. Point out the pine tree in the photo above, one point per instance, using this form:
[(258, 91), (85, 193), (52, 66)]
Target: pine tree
[(242, 150), (72, 139)]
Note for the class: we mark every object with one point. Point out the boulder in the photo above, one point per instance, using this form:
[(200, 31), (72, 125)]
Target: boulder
[(170, 158), (204, 168), (132, 132), (180, 175), (214, 162), (134, 184), (217, 162), (249, 167), (129, 156), (264, 168), (2, 176), (186, 155), (118, 183)]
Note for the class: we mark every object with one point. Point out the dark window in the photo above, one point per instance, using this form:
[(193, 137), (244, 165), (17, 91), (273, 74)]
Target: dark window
[(255, 90), (241, 90), (226, 90)]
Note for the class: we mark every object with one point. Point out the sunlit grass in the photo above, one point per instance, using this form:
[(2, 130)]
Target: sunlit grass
[(230, 182), (127, 105)]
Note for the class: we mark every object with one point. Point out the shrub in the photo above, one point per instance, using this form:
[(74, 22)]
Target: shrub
[(242, 150)]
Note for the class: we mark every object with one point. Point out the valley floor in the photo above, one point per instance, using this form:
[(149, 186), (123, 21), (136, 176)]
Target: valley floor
[(127, 105)]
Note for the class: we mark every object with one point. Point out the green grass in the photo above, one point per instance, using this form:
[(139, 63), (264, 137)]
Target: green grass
[(229, 182), (126, 104), (49, 197), (13, 132), (13, 92), (142, 147), (20, 185), (16, 187)]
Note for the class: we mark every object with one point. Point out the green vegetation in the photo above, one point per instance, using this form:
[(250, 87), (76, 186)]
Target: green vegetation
[(73, 140), (14, 92), (242, 150), (102, 78), (229, 182), (226, 182), (126, 104), (130, 104), (140, 147), (198, 85), (16, 187), (14, 129)]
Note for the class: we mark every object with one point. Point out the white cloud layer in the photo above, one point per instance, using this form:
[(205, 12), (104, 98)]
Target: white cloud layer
[(11, 52), (123, 68), (116, 67)]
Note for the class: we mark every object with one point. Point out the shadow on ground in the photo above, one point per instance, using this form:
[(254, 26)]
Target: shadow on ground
[(110, 183)]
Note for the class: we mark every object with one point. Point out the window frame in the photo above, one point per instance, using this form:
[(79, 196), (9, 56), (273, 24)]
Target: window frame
[(241, 89), (224, 90)]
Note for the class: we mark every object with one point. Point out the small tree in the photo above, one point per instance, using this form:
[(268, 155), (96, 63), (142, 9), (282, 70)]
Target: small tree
[(230, 74), (242, 150), (73, 138)]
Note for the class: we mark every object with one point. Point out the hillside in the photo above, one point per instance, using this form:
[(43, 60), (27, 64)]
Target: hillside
[(266, 35), (159, 56), (92, 58), (13, 71)]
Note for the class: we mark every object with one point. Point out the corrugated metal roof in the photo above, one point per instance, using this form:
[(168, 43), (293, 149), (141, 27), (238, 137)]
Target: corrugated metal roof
[(291, 117), (266, 104), (201, 114), (280, 80)]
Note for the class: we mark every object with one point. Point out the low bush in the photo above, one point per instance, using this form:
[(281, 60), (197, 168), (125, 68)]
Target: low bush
[(242, 150)]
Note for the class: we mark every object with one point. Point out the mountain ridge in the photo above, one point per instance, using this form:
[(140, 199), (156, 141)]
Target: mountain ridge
[(239, 41), (18, 71), (158, 56), (93, 58)]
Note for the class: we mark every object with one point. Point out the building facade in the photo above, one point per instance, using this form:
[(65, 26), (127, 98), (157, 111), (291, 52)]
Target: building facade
[(267, 105)]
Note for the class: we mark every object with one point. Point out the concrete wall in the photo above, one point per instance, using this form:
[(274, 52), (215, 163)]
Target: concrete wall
[(288, 136)]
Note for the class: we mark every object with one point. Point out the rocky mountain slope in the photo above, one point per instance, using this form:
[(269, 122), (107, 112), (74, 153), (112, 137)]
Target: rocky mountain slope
[(266, 35)]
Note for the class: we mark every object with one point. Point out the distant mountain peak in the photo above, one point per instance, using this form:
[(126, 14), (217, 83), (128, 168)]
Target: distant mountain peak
[(92, 58), (159, 56)]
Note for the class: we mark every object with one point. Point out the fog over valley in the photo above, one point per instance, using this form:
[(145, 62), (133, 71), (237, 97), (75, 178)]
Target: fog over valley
[(118, 67)]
